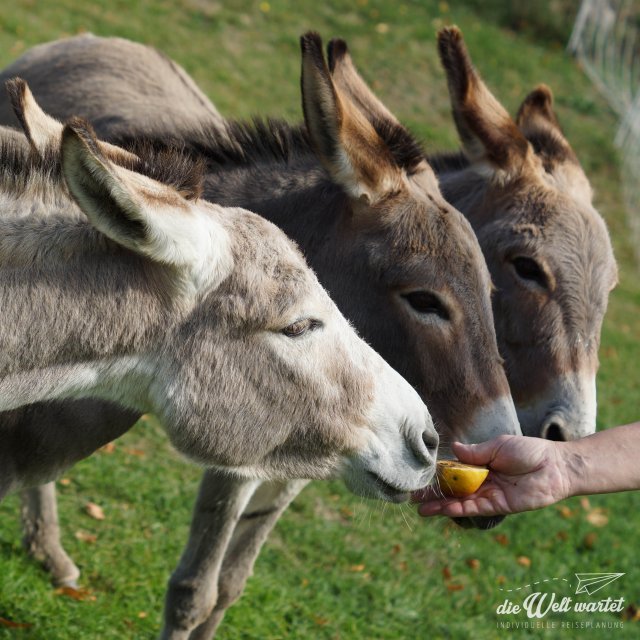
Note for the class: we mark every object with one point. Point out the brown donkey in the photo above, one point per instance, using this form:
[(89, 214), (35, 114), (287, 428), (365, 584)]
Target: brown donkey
[(548, 250), (559, 196), (403, 265)]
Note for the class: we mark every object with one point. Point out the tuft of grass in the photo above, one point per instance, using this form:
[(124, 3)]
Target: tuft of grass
[(336, 566)]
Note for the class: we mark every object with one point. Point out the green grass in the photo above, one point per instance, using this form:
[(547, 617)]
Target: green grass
[(310, 582)]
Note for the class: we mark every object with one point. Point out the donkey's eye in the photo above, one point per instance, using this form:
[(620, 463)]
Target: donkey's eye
[(529, 269), (427, 303), (300, 327)]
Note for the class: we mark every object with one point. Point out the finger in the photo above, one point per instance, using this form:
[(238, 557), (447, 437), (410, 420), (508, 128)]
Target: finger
[(427, 509), (481, 453), (479, 506), (432, 508), (451, 509)]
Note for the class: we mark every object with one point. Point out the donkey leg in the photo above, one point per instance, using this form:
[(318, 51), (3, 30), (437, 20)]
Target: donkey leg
[(266, 506), (42, 534), (193, 586)]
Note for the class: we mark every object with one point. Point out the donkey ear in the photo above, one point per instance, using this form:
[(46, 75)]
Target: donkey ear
[(539, 124), (348, 145), (487, 131), (348, 80), (43, 132), (131, 209)]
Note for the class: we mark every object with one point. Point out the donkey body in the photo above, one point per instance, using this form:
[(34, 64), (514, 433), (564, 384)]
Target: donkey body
[(123, 81), (403, 265), (124, 84)]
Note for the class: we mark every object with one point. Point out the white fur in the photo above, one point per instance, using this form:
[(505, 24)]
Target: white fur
[(493, 420), (187, 235), (125, 380), (569, 401), (397, 417), (350, 178), (43, 129), (394, 450)]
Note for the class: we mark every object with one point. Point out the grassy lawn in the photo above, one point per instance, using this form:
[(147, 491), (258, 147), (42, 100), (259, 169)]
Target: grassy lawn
[(336, 566)]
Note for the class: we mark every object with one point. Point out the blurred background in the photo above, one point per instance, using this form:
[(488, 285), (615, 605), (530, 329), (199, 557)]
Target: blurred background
[(338, 567)]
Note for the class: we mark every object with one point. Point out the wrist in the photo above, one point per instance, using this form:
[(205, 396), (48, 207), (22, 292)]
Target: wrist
[(573, 469)]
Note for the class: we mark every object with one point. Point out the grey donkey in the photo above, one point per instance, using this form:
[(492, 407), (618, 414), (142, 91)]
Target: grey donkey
[(228, 302)]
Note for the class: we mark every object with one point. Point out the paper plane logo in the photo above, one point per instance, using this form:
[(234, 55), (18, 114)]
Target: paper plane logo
[(592, 582)]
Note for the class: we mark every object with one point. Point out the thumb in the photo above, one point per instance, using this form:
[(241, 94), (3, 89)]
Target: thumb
[(480, 454)]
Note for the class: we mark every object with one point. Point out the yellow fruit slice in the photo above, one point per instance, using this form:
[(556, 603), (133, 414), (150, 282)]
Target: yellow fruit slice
[(457, 479)]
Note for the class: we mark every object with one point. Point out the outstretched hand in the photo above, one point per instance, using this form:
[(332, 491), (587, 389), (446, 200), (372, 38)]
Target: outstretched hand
[(525, 474)]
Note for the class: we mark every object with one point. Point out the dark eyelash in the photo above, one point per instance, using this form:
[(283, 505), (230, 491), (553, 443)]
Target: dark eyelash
[(529, 269), (300, 327), (427, 303)]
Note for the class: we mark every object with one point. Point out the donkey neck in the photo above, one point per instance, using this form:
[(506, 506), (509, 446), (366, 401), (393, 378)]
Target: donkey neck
[(299, 199), (266, 166), (68, 321)]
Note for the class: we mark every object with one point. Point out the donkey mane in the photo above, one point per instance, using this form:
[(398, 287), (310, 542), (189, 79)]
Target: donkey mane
[(251, 142), (448, 161), (404, 147), (255, 141), (22, 170), (546, 146)]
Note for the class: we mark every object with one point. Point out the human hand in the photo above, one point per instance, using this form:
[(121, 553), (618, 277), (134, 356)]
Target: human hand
[(525, 474)]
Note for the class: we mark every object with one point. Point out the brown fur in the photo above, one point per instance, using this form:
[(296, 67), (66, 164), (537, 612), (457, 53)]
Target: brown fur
[(344, 139), (485, 128), (539, 124)]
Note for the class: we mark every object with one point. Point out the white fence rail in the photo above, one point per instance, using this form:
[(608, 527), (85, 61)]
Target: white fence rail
[(606, 40)]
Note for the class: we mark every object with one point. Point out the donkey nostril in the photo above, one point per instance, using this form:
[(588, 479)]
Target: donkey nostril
[(555, 432), (430, 440)]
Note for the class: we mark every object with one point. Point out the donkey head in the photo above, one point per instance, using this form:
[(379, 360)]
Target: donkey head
[(252, 367), (418, 286), (547, 248)]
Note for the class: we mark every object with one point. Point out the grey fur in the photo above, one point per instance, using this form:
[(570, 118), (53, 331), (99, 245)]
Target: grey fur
[(134, 78)]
